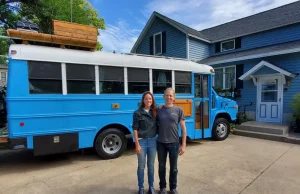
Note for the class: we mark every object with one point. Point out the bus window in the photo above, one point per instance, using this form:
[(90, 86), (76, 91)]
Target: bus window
[(162, 79), (205, 86), (111, 80), (138, 80), (44, 77), (80, 79), (183, 82), (197, 86), (206, 114)]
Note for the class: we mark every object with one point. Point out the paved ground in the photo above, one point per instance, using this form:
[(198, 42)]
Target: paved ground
[(238, 165)]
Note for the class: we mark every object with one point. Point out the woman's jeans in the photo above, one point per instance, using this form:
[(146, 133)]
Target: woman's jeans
[(148, 146)]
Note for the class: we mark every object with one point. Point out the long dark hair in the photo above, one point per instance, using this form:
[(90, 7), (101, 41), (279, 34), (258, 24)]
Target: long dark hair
[(153, 105)]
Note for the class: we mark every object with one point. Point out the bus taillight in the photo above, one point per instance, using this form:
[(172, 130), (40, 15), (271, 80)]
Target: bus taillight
[(21, 124)]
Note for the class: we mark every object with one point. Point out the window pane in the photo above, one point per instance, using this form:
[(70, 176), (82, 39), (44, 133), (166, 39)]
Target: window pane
[(3, 76), (197, 85), (44, 77), (219, 78), (270, 84), (205, 86), (162, 79), (269, 96), (80, 79), (228, 45), (197, 115), (138, 80), (158, 43), (111, 80), (183, 82), (229, 77), (206, 115)]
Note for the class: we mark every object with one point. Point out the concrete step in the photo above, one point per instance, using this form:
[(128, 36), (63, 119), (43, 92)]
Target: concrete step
[(269, 128), (281, 138)]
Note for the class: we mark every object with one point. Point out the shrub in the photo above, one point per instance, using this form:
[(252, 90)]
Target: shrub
[(296, 105)]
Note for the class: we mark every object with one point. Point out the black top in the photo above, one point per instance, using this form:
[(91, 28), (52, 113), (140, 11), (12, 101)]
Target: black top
[(145, 123)]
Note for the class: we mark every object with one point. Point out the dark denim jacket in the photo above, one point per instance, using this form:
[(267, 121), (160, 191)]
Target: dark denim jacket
[(145, 123)]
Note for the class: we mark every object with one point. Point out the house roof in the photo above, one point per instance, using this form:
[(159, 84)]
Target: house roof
[(278, 49), (248, 74), (270, 19)]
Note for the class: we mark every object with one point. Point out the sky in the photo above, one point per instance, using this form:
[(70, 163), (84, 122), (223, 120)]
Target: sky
[(125, 19)]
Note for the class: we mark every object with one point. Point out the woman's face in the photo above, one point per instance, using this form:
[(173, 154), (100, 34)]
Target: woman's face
[(148, 100)]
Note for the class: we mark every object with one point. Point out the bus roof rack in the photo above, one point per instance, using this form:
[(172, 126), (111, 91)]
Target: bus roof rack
[(66, 35)]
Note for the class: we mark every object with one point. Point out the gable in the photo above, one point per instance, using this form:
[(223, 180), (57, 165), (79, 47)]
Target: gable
[(176, 45)]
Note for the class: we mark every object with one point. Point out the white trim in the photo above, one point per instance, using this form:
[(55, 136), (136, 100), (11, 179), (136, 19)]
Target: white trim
[(254, 80), (173, 79), (150, 81), (148, 25), (221, 49), (64, 78), (97, 79), (261, 55), (154, 48), (51, 54), (125, 81), (187, 47), (246, 76)]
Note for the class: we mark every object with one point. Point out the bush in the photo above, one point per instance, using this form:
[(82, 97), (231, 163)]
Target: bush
[(296, 105)]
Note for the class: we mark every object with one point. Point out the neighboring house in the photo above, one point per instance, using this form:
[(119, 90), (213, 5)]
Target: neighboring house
[(3, 74), (257, 55)]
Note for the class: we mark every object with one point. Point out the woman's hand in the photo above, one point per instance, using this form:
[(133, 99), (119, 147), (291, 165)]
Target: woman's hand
[(138, 149)]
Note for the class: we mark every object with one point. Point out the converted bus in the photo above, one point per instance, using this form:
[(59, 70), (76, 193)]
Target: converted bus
[(63, 100)]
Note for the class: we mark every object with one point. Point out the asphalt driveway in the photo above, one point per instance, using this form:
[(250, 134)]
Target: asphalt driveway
[(236, 165)]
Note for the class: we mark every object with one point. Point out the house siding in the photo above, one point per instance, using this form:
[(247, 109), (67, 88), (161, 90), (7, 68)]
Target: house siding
[(289, 62), (267, 38), (175, 40), (198, 50)]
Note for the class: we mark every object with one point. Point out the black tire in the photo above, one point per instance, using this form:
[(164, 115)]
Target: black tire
[(220, 129), (110, 143)]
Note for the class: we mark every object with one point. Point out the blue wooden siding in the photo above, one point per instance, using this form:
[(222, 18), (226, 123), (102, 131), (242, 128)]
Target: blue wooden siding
[(265, 70), (266, 38), (175, 40), (289, 62), (198, 50)]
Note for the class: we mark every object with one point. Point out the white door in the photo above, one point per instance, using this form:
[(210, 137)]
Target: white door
[(269, 99)]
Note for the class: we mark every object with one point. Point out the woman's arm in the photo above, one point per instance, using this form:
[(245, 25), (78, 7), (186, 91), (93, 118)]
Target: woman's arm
[(135, 127)]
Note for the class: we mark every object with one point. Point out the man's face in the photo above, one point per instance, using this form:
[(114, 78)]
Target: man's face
[(169, 97)]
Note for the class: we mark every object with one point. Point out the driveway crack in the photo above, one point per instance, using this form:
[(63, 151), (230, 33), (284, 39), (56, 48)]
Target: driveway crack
[(265, 169)]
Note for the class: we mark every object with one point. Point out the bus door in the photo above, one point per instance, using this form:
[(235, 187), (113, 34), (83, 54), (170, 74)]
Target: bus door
[(202, 106)]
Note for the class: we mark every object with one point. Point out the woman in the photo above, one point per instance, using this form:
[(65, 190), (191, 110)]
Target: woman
[(145, 130)]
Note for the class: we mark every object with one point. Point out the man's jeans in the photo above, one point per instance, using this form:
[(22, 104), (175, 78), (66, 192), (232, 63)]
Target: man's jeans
[(162, 150), (148, 146)]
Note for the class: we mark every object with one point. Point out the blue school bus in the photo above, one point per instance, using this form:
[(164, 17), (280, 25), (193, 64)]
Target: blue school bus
[(63, 100)]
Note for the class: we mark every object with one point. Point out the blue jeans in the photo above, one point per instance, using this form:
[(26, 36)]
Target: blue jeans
[(162, 151), (148, 151)]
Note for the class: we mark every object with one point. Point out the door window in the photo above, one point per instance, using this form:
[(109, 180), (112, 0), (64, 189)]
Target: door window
[(269, 90)]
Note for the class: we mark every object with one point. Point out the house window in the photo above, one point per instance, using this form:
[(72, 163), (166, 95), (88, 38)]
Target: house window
[(228, 45), (3, 76), (162, 79), (157, 42), (111, 80), (138, 80), (80, 79), (224, 77)]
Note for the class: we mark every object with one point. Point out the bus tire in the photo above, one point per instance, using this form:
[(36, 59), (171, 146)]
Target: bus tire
[(110, 143), (221, 129)]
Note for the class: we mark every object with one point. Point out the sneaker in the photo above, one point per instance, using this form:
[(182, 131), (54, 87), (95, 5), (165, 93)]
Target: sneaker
[(151, 191), (174, 191), (141, 191), (163, 191)]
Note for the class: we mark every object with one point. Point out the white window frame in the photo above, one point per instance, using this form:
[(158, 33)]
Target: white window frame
[(226, 42), (159, 33), (5, 76), (224, 76)]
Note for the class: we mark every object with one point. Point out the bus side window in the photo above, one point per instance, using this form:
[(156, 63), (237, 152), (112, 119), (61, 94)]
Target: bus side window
[(162, 79), (138, 80), (213, 100), (44, 77), (183, 82), (80, 79), (111, 80)]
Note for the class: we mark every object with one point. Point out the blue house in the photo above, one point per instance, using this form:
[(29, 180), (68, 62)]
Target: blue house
[(257, 56)]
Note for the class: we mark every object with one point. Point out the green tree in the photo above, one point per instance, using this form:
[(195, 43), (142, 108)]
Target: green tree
[(4, 46), (42, 12)]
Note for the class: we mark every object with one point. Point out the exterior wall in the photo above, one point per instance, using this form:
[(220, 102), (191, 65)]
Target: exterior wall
[(289, 62), (175, 40), (198, 50), (267, 38)]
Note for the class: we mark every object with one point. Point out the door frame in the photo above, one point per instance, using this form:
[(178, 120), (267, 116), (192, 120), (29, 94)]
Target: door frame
[(280, 94)]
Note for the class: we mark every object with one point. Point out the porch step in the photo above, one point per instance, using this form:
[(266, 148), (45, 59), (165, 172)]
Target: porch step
[(267, 128)]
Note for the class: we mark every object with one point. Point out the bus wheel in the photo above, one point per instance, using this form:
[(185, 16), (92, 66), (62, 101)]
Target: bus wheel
[(110, 143), (221, 129)]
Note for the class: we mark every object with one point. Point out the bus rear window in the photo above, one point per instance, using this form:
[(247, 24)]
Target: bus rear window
[(44, 77)]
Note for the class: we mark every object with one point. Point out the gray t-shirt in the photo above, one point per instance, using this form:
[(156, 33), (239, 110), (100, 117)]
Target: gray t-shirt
[(168, 119)]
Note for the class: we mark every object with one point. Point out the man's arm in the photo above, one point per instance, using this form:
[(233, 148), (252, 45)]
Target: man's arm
[(183, 136)]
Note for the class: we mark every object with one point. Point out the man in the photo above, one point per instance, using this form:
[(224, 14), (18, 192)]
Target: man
[(169, 116)]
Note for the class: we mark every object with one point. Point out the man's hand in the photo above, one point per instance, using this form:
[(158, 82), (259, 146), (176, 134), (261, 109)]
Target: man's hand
[(138, 149), (181, 150)]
